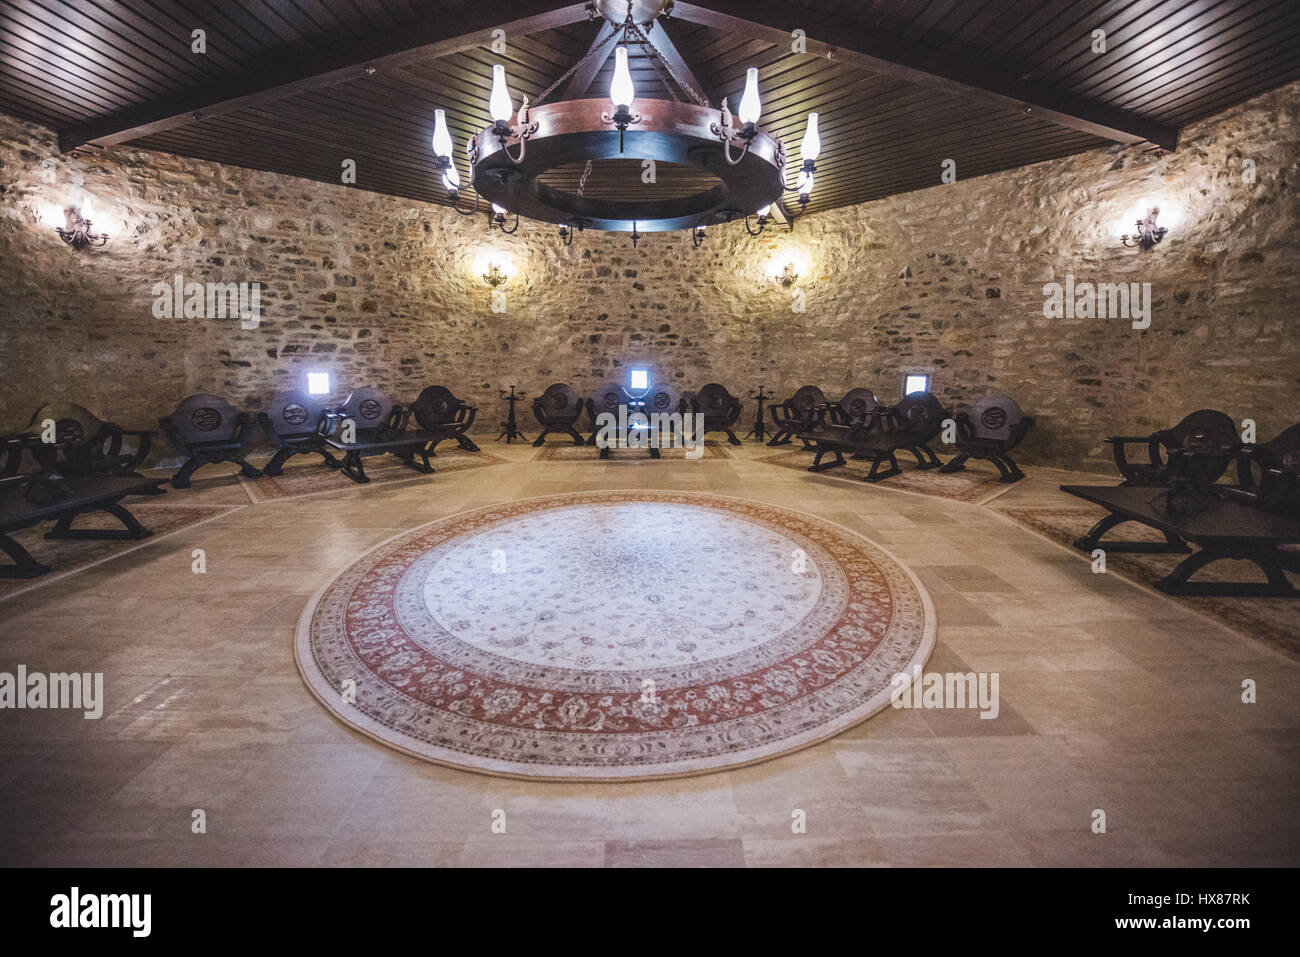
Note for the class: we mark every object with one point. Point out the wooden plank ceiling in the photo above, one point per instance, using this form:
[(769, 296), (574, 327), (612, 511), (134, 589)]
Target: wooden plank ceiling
[(76, 65)]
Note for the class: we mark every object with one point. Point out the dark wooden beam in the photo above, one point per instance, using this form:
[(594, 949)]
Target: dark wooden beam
[(287, 73), (678, 66), (851, 44), (585, 75)]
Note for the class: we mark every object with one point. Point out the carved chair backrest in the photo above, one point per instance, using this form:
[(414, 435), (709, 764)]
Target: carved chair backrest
[(294, 413), (607, 398), (806, 399), (714, 400), (1205, 428), (436, 406), (857, 405), (74, 425), (664, 399), (368, 408), (920, 415), (995, 417), (202, 418), (559, 404)]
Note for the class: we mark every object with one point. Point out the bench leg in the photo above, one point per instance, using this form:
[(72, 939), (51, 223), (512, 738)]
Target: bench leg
[(466, 443), (541, 439), (956, 463), (276, 465), (731, 437), (820, 466), (353, 468), (875, 475), (24, 565), (575, 435), (408, 459), (779, 437), (1010, 471), (249, 471), (1269, 562), (1171, 545), (182, 477), (925, 457), (131, 531)]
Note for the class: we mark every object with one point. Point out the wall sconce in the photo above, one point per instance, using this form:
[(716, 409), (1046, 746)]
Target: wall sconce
[(76, 230), (498, 220), (1149, 232), (785, 272), (494, 276)]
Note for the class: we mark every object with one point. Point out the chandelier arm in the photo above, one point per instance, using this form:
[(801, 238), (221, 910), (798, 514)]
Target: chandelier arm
[(755, 232), (726, 151)]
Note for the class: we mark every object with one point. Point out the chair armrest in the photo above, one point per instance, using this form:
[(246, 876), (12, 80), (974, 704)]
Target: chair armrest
[(465, 416), (144, 441), (244, 423), (398, 419)]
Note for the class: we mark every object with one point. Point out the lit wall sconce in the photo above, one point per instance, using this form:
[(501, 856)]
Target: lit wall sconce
[(1149, 232), (495, 276), (786, 269), (498, 220), (75, 230)]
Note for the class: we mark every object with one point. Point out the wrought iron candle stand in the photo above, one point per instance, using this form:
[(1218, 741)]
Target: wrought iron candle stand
[(759, 431), (511, 423)]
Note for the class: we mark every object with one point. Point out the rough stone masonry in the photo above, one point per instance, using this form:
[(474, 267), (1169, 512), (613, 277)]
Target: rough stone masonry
[(380, 291)]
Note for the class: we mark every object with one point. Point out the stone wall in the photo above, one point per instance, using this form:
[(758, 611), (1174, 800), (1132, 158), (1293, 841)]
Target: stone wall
[(383, 292)]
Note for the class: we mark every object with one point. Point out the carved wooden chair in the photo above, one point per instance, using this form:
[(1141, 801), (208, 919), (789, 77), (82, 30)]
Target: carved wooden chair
[(1203, 430), (720, 410), (607, 397), (292, 424), (444, 416), (795, 414), (1268, 474), (88, 445), (370, 423), (208, 429), (989, 430), (558, 409)]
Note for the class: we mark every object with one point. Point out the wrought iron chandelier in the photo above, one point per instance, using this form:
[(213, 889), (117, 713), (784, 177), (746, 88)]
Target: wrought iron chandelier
[(508, 160)]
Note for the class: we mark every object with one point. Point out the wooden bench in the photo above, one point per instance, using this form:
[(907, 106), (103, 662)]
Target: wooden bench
[(444, 416), (370, 423), (208, 430), (1205, 428), (989, 430), (292, 423), (64, 499), (558, 409), (1223, 528), (878, 434), (720, 409), (85, 443), (796, 414)]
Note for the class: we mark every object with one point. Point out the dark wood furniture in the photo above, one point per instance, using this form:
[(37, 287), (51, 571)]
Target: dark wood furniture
[(1205, 428), (444, 416), (72, 495), (989, 430), (558, 409), (759, 431), (878, 435), (85, 444), (208, 430), (795, 414), (292, 423), (1221, 527), (720, 410), (370, 423), (607, 397), (639, 415)]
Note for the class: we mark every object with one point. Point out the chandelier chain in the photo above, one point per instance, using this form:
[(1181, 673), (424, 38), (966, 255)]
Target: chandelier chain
[(582, 180), (573, 69)]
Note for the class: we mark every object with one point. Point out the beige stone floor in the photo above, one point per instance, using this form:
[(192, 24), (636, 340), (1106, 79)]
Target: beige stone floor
[(1112, 697)]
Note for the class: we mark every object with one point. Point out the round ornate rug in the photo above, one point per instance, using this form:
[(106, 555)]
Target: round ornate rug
[(614, 635)]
